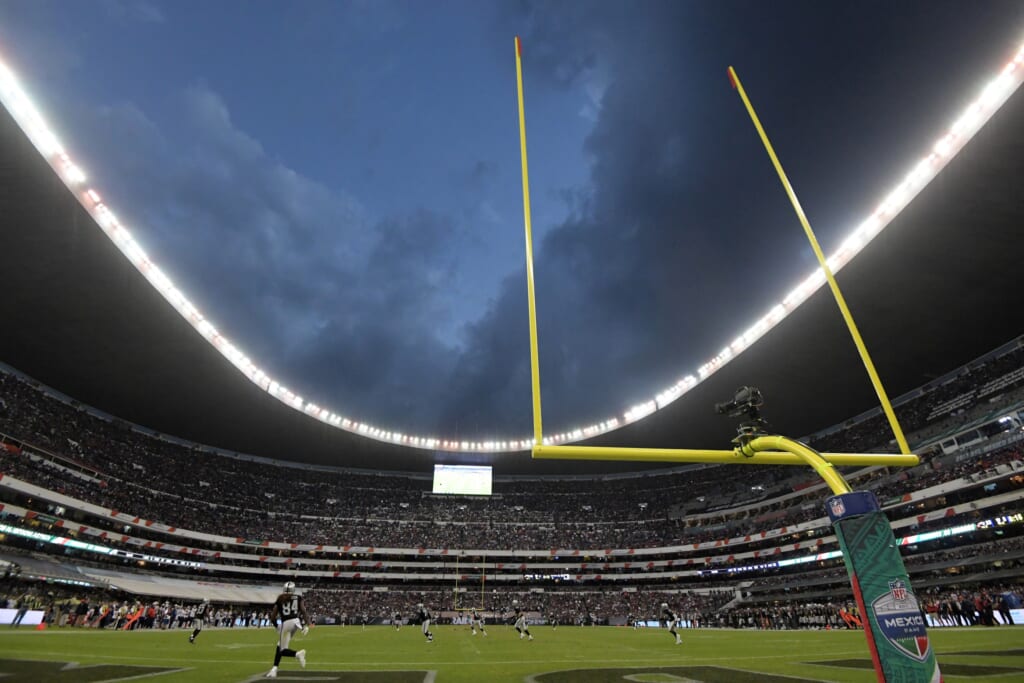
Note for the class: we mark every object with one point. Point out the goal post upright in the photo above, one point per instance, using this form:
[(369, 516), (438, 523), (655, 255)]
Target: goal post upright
[(865, 357), (538, 435)]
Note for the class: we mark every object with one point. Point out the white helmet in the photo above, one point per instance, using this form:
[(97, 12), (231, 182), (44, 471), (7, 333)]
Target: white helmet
[(206, 601), (420, 605), (664, 605), (289, 587), (515, 602)]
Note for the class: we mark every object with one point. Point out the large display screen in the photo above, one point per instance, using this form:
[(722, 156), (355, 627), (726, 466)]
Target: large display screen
[(463, 479)]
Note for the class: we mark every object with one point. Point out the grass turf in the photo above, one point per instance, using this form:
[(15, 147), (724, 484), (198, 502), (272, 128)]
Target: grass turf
[(564, 655)]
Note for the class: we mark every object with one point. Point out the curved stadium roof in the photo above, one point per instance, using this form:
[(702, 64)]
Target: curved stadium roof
[(936, 289)]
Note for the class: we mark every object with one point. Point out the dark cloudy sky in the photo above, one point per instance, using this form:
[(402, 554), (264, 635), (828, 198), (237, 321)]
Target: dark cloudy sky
[(336, 184)]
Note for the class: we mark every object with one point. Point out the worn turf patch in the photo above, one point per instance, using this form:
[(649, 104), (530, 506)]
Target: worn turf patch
[(948, 668), (16, 670), (347, 676), (673, 674)]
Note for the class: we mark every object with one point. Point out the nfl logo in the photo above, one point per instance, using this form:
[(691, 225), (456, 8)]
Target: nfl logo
[(898, 590), (837, 507)]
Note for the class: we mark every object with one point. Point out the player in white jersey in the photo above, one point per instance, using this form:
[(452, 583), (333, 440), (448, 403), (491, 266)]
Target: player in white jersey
[(520, 621), (289, 616), (672, 619), (197, 621), (423, 615), (476, 621)]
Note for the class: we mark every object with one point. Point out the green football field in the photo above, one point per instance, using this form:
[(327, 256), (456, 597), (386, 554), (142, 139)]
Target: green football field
[(379, 654)]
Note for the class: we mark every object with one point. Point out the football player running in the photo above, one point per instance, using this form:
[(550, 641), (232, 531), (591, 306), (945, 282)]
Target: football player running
[(197, 622), (672, 619), (520, 621), (289, 616)]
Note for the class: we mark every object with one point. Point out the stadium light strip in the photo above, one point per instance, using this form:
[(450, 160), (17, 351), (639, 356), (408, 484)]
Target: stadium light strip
[(92, 547), (993, 523), (977, 113)]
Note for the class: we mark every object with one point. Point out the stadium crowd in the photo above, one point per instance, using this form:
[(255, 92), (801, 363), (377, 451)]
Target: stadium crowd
[(970, 605), (480, 528), (957, 607), (63, 448), (113, 450), (77, 607), (973, 384)]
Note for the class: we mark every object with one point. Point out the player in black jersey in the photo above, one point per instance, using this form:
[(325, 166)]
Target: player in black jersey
[(197, 621), (423, 615), (520, 621), (672, 619), (396, 620), (289, 616), (476, 621)]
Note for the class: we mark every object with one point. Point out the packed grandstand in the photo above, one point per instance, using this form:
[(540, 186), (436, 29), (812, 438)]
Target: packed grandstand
[(137, 526)]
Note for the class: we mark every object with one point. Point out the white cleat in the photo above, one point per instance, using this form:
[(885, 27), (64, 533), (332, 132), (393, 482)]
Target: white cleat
[(531, 637), (301, 656), (679, 641), (272, 673)]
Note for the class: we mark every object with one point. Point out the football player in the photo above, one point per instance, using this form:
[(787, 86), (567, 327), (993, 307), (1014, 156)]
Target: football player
[(197, 621), (423, 614), (476, 621), (289, 616), (672, 619), (520, 621)]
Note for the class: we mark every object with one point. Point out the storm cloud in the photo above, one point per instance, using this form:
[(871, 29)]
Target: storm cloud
[(384, 279)]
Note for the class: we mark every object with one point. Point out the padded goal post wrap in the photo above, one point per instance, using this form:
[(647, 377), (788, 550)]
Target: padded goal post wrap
[(895, 625)]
